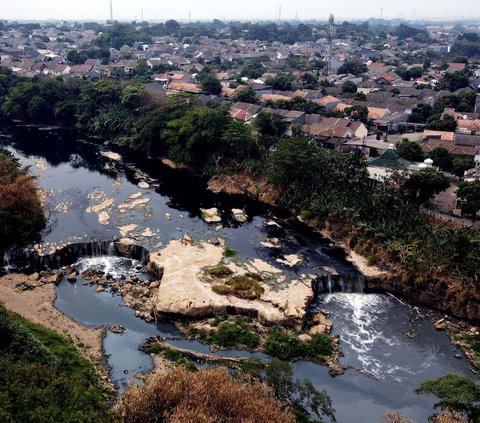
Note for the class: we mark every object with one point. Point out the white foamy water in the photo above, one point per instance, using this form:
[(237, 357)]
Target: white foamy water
[(363, 322), (115, 266)]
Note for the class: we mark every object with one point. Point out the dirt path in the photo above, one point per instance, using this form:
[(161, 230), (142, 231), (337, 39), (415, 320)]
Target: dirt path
[(36, 305)]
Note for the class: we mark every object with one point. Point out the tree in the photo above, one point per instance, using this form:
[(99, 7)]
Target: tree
[(447, 123), (453, 81), (21, 213), (172, 26), (442, 158), (246, 95), (270, 128), (302, 398), (421, 113), (142, 68), (357, 112), (461, 165), (470, 192), (281, 82), (76, 58), (455, 393), (349, 87), (309, 81), (209, 82), (410, 150), (252, 70), (425, 183), (352, 67)]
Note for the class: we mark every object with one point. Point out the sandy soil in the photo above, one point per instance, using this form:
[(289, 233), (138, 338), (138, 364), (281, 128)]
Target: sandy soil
[(37, 306)]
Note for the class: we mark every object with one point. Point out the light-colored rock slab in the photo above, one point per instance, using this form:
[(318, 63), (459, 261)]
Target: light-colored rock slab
[(127, 229), (111, 155), (211, 215), (290, 260), (183, 290), (239, 215)]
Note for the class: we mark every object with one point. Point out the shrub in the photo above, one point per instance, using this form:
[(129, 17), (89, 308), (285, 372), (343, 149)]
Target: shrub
[(206, 396), (221, 290), (282, 345), (286, 346), (229, 252), (220, 271), (234, 334), (246, 286)]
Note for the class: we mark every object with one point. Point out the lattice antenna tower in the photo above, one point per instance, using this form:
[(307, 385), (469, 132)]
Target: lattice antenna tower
[(331, 31), (111, 10)]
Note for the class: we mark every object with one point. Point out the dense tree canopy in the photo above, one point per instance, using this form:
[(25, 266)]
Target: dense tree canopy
[(353, 67), (410, 150), (455, 393)]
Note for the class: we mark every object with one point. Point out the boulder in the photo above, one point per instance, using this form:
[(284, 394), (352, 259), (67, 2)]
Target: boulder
[(440, 324), (124, 246), (304, 337), (117, 329), (239, 215), (211, 215), (314, 330), (100, 288), (72, 277), (34, 277), (54, 278)]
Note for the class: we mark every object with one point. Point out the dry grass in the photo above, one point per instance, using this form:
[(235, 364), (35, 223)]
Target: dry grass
[(206, 396)]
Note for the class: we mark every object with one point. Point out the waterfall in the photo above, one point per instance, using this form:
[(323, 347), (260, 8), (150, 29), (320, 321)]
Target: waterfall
[(6, 261), (348, 282), (32, 260)]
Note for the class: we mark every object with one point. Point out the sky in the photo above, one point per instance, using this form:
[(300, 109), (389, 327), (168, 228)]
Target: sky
[(158, 10)]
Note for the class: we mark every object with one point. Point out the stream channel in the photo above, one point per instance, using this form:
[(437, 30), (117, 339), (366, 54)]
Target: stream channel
[(372, 327)]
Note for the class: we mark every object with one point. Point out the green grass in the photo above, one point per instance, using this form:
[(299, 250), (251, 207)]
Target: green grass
[(229, 252), (220, 271), (246, 286), (43, 378)]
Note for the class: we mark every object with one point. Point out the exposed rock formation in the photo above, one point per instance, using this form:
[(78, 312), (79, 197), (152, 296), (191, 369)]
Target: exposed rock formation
[(184, 292)]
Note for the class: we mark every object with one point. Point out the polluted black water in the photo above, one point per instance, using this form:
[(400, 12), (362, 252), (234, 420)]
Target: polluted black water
[(97, 193)]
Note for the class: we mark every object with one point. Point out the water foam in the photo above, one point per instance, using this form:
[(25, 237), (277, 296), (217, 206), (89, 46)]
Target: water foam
[(360, 326)]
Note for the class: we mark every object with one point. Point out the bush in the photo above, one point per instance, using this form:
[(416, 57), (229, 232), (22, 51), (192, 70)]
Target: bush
[(282, 345), (206, 396), (220, 271), (246, 286), (285, 346), (234, 334)]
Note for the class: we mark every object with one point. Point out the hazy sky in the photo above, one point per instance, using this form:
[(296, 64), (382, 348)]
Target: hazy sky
[(242, 9)]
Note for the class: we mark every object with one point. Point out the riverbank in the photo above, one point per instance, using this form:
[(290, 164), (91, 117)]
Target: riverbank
[(34, 301)]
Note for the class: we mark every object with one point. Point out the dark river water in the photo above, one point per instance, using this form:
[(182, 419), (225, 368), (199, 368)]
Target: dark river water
[(373, 327)]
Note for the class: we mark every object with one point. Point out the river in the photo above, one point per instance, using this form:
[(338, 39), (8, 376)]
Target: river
[(390, 340)]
